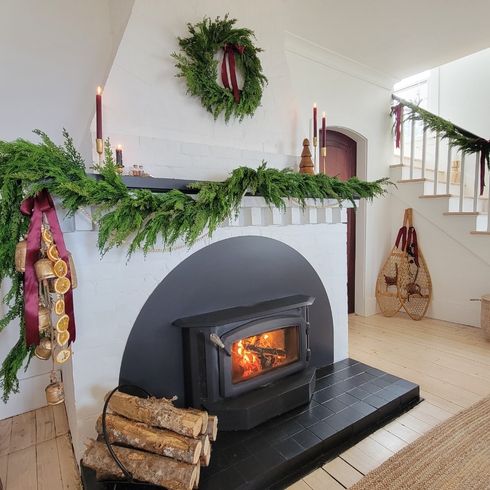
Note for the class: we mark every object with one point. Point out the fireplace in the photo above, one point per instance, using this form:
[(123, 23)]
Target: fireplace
[(249, 363)]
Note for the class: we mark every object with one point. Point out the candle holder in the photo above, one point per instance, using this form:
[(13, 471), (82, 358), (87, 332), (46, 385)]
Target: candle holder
[(323, 159), (99, 146), (315, 144)]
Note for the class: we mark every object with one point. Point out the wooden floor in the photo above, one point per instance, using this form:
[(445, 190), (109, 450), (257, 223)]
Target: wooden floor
[(36, 451), (450, 362)]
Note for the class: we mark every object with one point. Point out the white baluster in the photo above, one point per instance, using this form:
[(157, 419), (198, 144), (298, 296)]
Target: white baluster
[(436, 163), (461, 184), (402, 139), (476, 187), (448, 170), (424, 151), (412, 147)]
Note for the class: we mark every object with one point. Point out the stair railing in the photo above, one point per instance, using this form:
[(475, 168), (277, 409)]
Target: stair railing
[(455, 176)]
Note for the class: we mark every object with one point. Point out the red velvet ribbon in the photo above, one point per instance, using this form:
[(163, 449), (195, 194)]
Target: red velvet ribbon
[(402, 237), (413, 244), (229, 54), (397, 111), (483, 158), (35, 207)]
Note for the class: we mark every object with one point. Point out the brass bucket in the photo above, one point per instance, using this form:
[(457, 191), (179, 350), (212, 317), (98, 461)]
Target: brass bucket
[(44, 269), (44, 349), (20, 256)]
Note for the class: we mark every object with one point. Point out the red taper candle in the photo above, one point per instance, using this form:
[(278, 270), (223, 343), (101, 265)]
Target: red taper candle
[(119, 160), (98, 113), (324, 130), (315, 121)]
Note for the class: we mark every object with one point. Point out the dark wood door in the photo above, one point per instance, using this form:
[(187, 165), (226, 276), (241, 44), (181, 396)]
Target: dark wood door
[(341, 161)]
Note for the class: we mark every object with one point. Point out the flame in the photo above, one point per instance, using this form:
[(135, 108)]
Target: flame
[(99, 90), (247, 360)]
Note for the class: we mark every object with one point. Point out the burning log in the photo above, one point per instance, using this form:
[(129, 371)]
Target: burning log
[(158, 412), (158, 441), (146, 467), (263, 351), (212, 428)]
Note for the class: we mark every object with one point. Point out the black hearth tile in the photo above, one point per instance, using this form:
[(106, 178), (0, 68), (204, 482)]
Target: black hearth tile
[(388, 408), (307, 418), (227, 438), (408, 385), (326, 394), (347, 399), (224, 480), (375, 401), (381, 382), (220, 459), (339, 365), (396, 389), (324, 382), (359, 393), (365, 377), (250, 467), (314, 403), (307, 439), (321, 412), (349, 384), (363, 408), (344, 419), (351, 361), (339, 376), (270, 456), (324, 371), (322, 429), (390, 377), (387, 395), (288, 448), (371, 387), (256, 443), (374, 371), (356, 369), (237, 452), (288, 429), (335, 405)]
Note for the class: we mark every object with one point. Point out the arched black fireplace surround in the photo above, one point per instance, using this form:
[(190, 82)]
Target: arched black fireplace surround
[(232, 272)]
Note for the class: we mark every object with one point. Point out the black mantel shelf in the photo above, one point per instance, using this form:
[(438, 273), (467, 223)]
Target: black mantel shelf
[(155, 184), (242, 313)]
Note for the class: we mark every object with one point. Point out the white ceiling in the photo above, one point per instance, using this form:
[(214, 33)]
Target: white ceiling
[(398, 38)]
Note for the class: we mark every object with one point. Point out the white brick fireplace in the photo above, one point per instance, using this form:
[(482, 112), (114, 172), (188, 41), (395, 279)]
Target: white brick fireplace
[(112, 291)]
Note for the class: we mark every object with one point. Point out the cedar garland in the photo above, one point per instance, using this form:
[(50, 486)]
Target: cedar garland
[(197, 65), (138, 217)]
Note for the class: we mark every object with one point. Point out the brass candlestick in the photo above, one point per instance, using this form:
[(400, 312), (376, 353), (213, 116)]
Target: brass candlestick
[(323, 159), (99, 146), (315, 144)]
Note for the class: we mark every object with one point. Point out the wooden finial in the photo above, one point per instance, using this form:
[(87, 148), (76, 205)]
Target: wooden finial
[(306, 165)]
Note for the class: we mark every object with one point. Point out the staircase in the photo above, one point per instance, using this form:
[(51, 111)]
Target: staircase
[(452, 218)]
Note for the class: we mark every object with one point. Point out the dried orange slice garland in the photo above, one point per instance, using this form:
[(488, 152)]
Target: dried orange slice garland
[(59, 286)]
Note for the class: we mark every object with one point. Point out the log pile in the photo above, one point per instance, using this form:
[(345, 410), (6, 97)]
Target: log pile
[(157, 442)]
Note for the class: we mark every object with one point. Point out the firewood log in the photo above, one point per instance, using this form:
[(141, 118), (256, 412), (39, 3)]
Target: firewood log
[(205, 459), (204, 416), (158, 441), (212, 428), (146, 467), (158, 413), (196, 481), (206, 446)]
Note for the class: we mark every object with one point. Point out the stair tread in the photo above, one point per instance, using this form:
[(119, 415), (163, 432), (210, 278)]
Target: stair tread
[(480, 232), (462, 213), (432, 196)]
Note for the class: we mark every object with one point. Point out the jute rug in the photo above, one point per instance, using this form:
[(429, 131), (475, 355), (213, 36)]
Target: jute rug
[(453, 455)]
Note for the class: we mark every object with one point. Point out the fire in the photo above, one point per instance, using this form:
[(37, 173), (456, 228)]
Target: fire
[(257, 354)]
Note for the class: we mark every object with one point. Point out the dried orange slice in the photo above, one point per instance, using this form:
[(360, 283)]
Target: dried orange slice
[(47, 236), (53, 253), (60, 268), (59, 307), (62, 323), (63, 356), (62, 338), (62, 285)]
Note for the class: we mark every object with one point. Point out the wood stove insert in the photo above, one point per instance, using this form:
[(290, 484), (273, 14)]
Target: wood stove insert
[(250, 363)]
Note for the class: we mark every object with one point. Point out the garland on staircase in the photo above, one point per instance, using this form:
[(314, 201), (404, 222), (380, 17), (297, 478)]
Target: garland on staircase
[(137, 217), (463, 140)]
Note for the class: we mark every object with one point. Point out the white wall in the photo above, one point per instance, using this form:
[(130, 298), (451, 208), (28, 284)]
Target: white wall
[(458, 91), (53, 54)]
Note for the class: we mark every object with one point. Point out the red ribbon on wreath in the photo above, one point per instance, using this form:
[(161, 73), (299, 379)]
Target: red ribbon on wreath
[(229, 54), (397, 111), (35, 207)]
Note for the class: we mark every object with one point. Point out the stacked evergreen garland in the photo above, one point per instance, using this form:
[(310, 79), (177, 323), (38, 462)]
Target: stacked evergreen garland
[(136, 217)]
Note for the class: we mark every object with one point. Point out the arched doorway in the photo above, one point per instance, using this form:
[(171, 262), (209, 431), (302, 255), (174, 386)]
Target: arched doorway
[(342, 161)]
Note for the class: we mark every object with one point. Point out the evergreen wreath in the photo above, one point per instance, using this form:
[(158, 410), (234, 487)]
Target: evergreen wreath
[(137, 218), (197, 65)]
